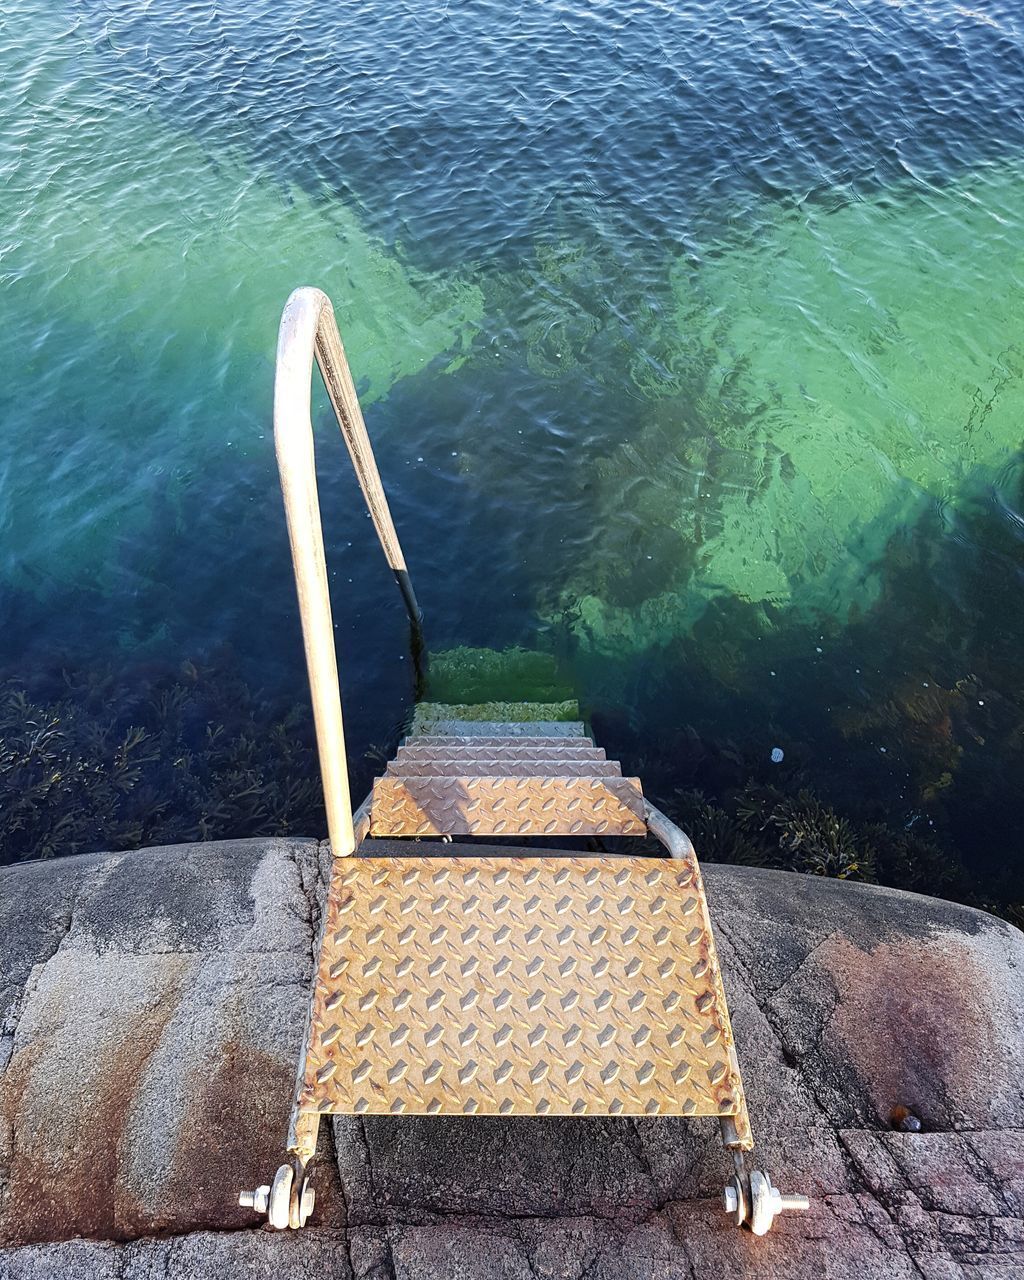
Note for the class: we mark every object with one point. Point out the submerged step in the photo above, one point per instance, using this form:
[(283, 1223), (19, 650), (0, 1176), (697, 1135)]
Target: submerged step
[(487, 765), (501, 729), (467, 675), (509, 712)]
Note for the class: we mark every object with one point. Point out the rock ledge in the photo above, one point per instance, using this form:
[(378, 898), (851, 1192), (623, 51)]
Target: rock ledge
[(153, 1004)]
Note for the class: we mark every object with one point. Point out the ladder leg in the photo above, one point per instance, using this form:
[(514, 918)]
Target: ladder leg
[(749, 1197), (288, 1200), (303, 1134)]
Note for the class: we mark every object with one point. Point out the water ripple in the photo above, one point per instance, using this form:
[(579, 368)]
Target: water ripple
[(668, 322)]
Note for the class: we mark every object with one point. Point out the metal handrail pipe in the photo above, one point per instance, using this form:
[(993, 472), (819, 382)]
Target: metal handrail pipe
[(675, 841), (308, 331)]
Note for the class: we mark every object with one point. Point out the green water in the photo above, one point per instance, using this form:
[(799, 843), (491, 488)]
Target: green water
[(854, 367), (691, 350), (147, 272)]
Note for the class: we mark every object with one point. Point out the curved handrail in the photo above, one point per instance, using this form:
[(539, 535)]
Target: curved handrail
[(308, 330), (665, 831)]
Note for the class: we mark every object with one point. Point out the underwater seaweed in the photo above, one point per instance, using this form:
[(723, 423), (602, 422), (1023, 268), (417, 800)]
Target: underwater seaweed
[(764, 826), (718, 835), (907, 860), (809, 836), (93, 760)]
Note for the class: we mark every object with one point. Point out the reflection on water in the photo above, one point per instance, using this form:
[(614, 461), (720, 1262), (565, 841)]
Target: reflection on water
[(690, 344)]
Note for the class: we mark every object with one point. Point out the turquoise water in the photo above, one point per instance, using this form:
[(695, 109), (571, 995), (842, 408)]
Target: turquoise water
[(690, 343)]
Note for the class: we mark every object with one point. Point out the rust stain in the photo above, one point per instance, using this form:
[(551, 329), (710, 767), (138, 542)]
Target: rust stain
[(232, 1136), (65, 1173), (912, 1023), (14, 1084), (64, 1177)]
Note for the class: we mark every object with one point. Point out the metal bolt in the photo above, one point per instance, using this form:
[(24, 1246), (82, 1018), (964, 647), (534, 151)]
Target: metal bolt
[(790, 1202), (258, 1199), (734, 1200), (767, 1202), (306, 1202)]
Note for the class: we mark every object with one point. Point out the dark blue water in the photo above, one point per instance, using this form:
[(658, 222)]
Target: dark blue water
[(689, 340)]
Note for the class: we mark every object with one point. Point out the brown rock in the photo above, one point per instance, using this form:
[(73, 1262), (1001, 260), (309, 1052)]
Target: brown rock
[(153, 1006)]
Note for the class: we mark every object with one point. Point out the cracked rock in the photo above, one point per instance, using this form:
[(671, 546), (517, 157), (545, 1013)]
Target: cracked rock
[(153, 1005)]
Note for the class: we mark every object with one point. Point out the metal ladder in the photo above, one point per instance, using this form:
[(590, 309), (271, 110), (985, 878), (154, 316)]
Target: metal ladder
[(481, 978)]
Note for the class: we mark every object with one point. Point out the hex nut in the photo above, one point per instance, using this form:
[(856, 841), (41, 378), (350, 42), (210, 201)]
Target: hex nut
[(257, 1200), (307, 1199)]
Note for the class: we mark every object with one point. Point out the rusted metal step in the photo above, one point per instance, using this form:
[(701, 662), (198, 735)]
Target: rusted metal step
[(507, 806), (497, 749), (550, 768), (402, 847), (480, 985)]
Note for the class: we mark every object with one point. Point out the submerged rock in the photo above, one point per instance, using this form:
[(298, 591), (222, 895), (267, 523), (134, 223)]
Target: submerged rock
[(153, 1004)]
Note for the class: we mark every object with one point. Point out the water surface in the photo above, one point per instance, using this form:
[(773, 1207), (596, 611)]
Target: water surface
[(690, 342)]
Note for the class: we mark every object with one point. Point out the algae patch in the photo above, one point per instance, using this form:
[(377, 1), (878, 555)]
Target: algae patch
[(830, 376), (516, 675)]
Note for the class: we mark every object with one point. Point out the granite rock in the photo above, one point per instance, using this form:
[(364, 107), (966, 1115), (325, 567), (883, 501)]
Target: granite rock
[(153, 1004)]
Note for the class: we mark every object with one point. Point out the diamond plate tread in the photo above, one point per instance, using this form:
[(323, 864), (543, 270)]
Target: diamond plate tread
[(401, 847), (572, 986), (498, 757), (506, 729), (532, 768), (539, 745), (494, 806)]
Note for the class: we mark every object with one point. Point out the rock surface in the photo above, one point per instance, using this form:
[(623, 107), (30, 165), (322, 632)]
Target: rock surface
[(153, 1004)]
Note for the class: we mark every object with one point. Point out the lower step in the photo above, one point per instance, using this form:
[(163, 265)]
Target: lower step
[(499, 749), (532, 768), (428, 713), (493, 806)]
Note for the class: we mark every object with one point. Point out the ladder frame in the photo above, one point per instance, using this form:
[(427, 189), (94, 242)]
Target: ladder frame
[(309, 332)]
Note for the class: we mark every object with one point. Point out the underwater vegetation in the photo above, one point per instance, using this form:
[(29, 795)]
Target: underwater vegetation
[(105, 760), (908, 713), (800, 393), (764, 826), (467, 675), (95, 758)]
